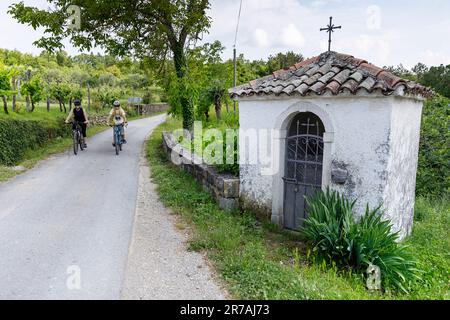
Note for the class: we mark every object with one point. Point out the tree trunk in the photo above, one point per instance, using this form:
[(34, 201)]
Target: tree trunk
[(218, 107), (27, 99), (64, 106), (48, 104), (5, 105), (14, 98), (60, 105), (32, 105), (187, 108), (70, 104), (14, 102)]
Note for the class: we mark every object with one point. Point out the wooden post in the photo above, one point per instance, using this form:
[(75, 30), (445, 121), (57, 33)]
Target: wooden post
[(27, 100), (14, 99), (89, 96)]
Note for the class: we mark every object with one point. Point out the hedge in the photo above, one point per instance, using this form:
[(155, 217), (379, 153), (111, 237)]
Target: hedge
[(18, 136), (433, 176)]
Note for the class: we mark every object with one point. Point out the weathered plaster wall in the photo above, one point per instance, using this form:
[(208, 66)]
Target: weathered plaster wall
[(399, 194), (372, 138)]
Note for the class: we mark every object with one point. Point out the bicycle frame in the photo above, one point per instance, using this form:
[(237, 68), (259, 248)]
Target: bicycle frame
[(118, 138), (77, 137)]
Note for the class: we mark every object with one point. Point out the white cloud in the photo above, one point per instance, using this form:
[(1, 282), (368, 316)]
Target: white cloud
[(374, 48), (260, 38), (432, 58), (271, 26), (292, 37)]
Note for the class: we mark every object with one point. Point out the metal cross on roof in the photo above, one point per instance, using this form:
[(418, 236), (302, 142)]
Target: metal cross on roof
[(330, 29)]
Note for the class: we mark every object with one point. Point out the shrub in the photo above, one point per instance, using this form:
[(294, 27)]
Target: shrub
[(18, 136), (148, 97), (131, 112), (374, 243), (433, 177), (338, 238), (330, 219)]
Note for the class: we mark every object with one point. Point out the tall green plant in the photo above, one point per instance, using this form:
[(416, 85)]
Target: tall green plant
[(337, 237)]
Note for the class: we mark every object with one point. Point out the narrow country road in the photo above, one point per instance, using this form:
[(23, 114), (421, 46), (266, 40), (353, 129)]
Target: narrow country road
[(66, 226)]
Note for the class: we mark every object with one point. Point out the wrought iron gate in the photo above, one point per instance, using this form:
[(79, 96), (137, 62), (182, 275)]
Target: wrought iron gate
[(303, 170)]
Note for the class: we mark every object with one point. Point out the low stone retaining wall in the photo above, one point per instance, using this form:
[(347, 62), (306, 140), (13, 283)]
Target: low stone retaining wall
[(150, 108), (224, 188), (98, 120)]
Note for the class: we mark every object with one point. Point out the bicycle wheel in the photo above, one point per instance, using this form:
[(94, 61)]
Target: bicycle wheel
[(116, 143), (80, 141), (75, 143)]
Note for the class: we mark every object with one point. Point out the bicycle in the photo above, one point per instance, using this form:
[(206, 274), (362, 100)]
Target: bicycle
[(77, 137), (118, 141)]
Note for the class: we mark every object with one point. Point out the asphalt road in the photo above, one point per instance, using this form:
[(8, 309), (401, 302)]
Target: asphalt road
[(66, 225)]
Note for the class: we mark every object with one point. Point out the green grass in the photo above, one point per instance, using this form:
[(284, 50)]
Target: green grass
[(257, 260), (430, 243), (40, 113)]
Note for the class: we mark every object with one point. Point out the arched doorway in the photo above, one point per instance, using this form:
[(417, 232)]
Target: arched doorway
[(303, 166)]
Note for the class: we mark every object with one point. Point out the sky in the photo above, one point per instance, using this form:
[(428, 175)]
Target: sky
[(379, 31)]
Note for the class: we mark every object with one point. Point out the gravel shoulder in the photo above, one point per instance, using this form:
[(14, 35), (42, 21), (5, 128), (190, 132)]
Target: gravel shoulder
[(160, 267)]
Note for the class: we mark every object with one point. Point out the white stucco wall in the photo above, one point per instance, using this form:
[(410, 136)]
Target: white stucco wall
[(374, 138), (399, 194)]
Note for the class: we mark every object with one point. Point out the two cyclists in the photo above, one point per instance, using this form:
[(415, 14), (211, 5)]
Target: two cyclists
[(116, 117)]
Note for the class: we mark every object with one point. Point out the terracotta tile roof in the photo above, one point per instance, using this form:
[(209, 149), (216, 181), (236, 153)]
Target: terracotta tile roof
[(330, 72)]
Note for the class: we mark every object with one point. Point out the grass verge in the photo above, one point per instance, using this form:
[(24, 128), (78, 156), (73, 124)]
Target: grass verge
[(257, 260)]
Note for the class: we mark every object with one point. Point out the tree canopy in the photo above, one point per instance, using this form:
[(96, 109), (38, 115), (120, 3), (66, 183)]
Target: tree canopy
[(155, 29)]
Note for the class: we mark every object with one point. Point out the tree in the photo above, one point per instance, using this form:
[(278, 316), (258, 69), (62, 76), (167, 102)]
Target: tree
[(208, 78), (152, 29), (213, 94), (61, 92), (438, 78), (419, 69), (50, 77), (5, 86), (107, 96), (283, 60), (34, 90), (16, 72), (401, 71)]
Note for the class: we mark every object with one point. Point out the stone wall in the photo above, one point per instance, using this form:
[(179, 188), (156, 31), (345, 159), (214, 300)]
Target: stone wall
[(224, 188), (145, 110), (96, 119), (150, 109)]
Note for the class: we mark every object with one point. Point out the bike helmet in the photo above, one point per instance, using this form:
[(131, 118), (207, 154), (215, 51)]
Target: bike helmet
[(116, 103), (77, 103)]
